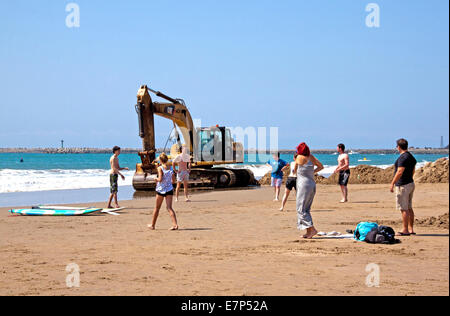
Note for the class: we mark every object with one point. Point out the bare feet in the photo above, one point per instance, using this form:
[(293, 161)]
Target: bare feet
[(117, 206), (312, 233), (343, 201), (109, 206), (176, 199), (174, 228), (281, 209), (151, 227), (188, 200), (276, 200)]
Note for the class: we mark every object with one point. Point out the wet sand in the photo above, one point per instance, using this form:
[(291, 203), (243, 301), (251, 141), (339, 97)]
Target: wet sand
[(230, 243)]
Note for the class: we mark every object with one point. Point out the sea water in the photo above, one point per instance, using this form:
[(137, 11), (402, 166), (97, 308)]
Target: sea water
[(50, 172)]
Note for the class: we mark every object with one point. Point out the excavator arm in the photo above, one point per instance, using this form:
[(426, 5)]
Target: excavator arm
[(176, 111)]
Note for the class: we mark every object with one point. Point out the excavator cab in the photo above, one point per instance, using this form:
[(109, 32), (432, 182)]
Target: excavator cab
[(214, 145)]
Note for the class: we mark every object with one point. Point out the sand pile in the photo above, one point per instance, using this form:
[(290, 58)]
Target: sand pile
[(266, 180), (440, 221), (364, 174), (433, 172)]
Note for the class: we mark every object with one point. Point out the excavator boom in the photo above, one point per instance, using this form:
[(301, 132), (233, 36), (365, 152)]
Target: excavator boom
[(175, 111)]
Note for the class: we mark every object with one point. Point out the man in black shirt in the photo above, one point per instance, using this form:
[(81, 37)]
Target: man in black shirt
[(403, 181)]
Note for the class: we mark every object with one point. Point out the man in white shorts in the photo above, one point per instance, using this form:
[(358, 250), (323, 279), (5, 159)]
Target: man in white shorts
[(403, 182)]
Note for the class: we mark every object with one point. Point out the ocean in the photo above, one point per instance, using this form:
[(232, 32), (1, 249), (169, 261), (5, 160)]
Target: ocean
[(52, 172)]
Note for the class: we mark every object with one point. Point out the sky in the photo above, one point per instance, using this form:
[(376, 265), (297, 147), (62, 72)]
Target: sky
[(313, 69)]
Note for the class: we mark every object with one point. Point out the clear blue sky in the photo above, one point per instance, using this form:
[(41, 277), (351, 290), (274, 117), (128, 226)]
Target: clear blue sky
[(312, 68)]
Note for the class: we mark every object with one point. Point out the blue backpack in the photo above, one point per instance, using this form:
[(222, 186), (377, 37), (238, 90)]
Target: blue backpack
[(363, 229)]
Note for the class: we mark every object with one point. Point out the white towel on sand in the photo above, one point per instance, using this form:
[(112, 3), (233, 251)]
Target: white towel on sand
[(334, 235)]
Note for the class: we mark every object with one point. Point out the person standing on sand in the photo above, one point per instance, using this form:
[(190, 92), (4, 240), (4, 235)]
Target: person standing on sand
[(114, 176), (277, 165), (343, 169), (405, 168), (164, 190), (291, 182), (306, 188), (183, 161)]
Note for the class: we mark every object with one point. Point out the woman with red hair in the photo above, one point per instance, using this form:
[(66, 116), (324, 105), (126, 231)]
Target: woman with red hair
[(306, 188)]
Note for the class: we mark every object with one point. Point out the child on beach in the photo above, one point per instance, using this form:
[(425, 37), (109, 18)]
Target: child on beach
[(164, 190), (183, 161), (277, 165), (291, 182), (114, 176)]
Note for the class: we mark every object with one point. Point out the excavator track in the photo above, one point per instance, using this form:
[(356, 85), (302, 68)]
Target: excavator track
[(203, 177)]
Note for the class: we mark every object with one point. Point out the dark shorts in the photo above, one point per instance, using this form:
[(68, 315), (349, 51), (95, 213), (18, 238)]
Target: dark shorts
[(113, 178), (291, 183), (344, 176), (165, 194)]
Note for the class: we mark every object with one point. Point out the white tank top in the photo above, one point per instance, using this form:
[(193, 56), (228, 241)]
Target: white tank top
[(292, 174)]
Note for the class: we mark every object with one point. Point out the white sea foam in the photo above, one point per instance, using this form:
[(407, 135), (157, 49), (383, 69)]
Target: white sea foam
[(327, 171), (57, 179), (259, 171)]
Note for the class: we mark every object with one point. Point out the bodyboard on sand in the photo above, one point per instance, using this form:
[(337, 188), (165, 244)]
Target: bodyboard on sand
[(50, 212), (112, 211)]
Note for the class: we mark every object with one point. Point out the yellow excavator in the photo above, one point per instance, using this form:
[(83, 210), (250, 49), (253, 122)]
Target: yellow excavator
[(210, 148)]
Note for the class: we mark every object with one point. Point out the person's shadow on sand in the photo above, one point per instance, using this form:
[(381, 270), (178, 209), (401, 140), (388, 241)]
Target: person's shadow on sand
[(200, 201), (364, 202), (194, 229), (432, 235)]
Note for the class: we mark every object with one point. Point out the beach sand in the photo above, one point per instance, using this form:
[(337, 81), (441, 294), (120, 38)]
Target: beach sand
[(233, 242)]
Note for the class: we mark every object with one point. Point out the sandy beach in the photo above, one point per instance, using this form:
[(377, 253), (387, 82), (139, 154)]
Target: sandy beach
[(232, 242)]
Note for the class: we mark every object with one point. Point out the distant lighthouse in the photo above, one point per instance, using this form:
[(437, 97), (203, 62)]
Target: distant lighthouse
[(62, 144)]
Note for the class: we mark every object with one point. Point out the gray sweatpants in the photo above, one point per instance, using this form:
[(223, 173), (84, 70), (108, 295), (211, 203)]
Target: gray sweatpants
[(306, 190)]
